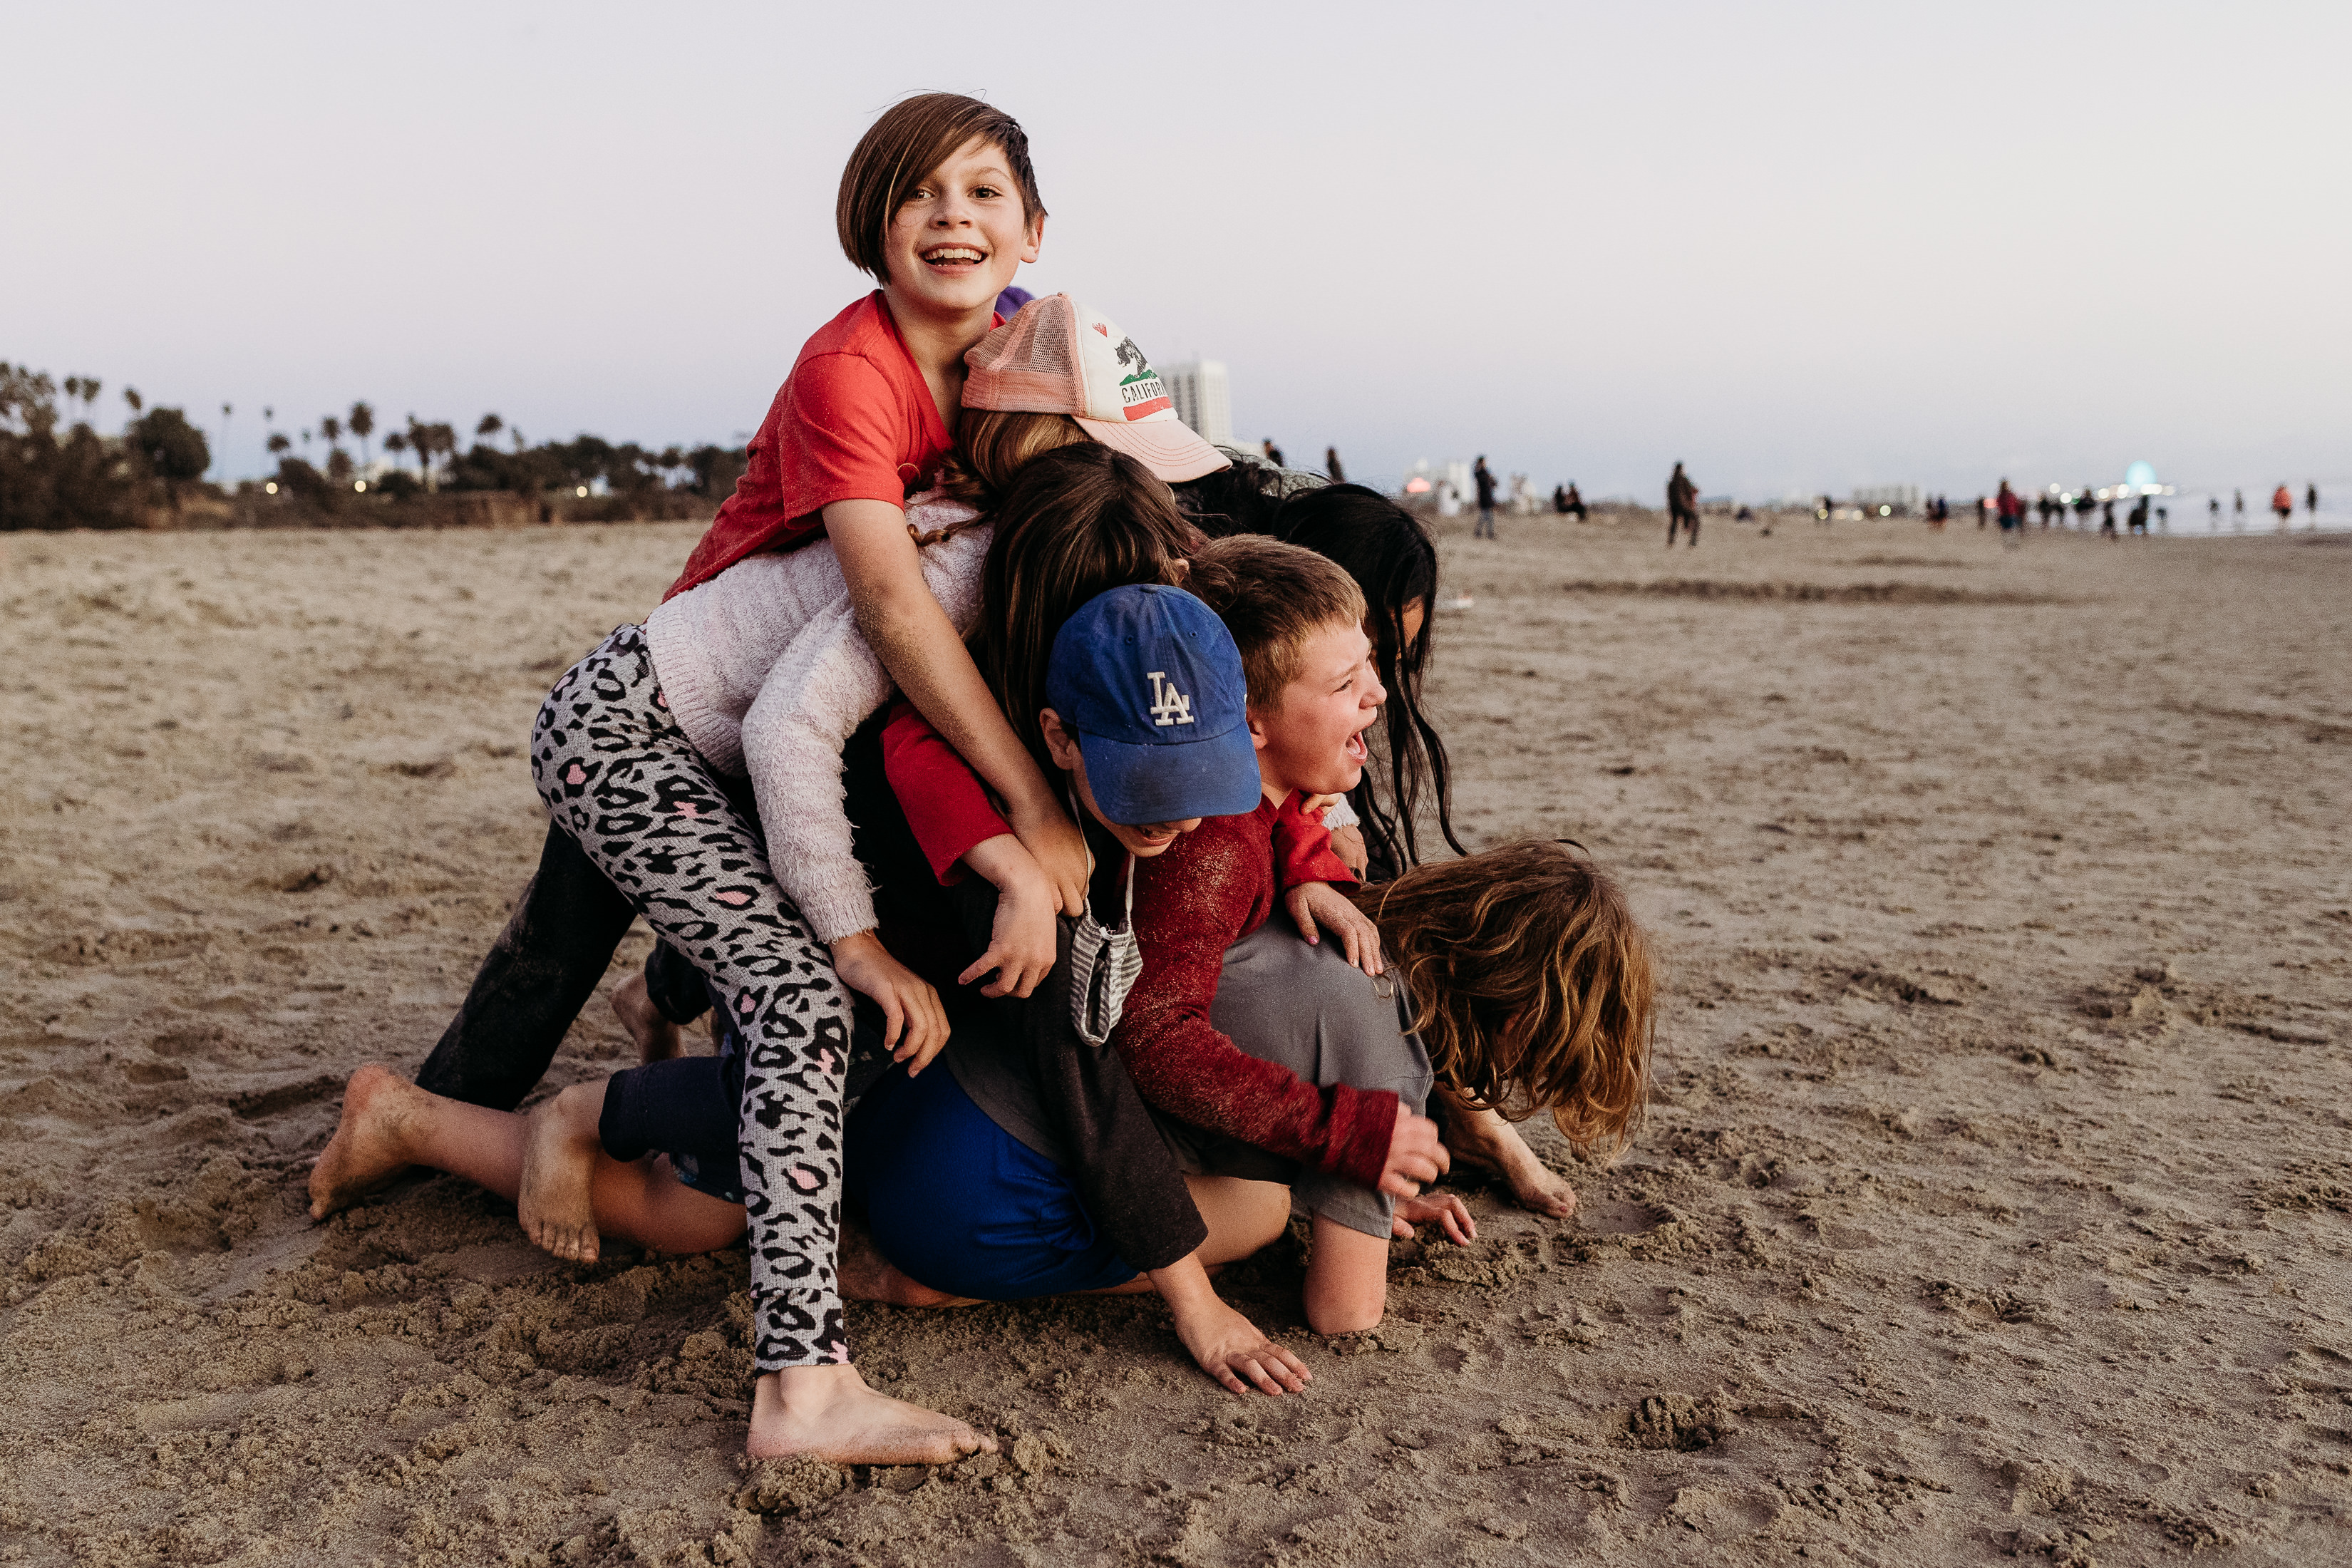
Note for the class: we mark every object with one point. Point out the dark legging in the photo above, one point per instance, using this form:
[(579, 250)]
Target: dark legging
[(617, 772), (1682, 516)]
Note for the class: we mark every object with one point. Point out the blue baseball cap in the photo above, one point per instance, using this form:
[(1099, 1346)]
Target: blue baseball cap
[(1149, 680)]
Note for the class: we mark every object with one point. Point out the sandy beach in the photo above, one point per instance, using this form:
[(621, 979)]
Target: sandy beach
[(1995, 1200)]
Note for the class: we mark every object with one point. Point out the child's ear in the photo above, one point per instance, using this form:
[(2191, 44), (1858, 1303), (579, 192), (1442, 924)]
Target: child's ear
[(1060, 745), (1256, 730), (1035, 237)]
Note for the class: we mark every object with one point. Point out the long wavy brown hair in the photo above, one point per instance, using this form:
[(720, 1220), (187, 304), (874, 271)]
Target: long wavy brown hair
[(1531, 986)]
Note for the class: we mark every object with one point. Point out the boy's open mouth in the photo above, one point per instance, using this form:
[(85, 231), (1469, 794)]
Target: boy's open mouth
[(1357, 751), (953, 257)]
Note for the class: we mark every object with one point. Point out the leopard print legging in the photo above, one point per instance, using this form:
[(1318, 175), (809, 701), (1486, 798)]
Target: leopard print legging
[(617, 773)]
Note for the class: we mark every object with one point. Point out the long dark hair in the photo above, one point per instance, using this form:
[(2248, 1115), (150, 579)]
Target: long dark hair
[(1393, 560), (1073, 524)]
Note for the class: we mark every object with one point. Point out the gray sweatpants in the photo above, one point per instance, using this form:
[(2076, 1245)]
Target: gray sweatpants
[(1307, 1008)]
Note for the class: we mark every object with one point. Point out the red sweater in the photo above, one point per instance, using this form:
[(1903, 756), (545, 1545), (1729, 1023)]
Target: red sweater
[(1212, 888)]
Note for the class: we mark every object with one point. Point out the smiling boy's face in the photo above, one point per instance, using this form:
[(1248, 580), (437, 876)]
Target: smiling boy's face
[(954, 244), (1312, 741)]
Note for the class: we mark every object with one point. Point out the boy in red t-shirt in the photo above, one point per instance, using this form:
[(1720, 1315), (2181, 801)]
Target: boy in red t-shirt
[(940, 204)]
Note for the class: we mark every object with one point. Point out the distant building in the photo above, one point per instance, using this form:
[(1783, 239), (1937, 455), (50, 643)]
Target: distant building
[(1904, 498), (1203, 399)]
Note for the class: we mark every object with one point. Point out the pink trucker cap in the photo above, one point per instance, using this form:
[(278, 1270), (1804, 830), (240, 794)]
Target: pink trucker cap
[(1057, 356)]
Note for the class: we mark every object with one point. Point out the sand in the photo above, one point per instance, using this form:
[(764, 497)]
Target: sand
[(1996, 1198)]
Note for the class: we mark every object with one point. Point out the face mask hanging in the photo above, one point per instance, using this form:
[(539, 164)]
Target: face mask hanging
[(1104, 962)]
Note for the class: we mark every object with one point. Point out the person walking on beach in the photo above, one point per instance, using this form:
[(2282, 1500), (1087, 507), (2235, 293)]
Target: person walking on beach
[(2009, 507), (1682, 505), (2283, 504), (1484, 477), (1332, 465), (2108, 517), (2311, 500), (2213, 513), (2238, 509)]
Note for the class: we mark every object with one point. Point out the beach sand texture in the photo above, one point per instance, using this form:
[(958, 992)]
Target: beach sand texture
[(1996, 1198)]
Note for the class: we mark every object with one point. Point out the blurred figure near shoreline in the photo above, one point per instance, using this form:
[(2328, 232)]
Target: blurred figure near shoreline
[(2213, 513), (2283, 504), (2108, 517), (1567, 502), (2238, 509), (1682, 505), (1483, 477), (2009, 507), (2311, 500)]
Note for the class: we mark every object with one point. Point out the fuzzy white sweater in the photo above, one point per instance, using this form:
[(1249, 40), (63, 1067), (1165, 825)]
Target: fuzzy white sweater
[(767, 674)]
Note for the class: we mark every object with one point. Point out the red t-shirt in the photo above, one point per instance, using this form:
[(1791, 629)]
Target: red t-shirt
[(855, 421)]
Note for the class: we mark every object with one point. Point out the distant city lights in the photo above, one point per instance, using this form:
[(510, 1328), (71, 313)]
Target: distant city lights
[(270, 488)]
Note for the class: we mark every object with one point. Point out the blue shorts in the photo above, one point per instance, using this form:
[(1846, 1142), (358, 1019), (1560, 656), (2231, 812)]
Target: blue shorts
[(962, 1205)]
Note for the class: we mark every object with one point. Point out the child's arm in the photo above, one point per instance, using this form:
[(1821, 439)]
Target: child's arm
[(1306, 865), (1192, 903), (958, 830), (913, 637), (810, 702)]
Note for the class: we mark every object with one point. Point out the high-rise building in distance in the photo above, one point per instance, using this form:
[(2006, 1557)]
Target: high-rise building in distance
[(1201, 399)]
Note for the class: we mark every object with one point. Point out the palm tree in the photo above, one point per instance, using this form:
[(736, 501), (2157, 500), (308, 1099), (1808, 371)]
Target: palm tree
[(226, 411), (490, 425), (363, 427), (396, 443), (131, 395)]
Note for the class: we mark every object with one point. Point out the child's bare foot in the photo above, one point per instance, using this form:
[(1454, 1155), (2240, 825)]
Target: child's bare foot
[(1483, 1137), (369, 1147), (558, 1165), (829, 1412), (657, 1038), (865, 1275)]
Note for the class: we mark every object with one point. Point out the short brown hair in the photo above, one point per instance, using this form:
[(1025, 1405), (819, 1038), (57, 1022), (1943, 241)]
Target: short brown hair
[(1073, 524), (898, 151), (1272, 596), (1531, 985)]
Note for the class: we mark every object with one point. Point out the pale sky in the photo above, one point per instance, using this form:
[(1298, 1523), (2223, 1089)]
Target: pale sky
[(1800, 247)]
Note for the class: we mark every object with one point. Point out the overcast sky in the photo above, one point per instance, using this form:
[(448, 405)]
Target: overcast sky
[(1801, 246)]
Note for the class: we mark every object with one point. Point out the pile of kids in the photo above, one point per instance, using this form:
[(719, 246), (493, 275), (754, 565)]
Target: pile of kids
[(985, 730)]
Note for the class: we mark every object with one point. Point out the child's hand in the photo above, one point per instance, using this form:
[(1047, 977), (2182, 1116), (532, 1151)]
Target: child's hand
[(1060, 849), (1445, 1208), (1416, 1156), (1310, 901), (1348, 844), (1021, 943), (913, 1024), (1225, 1345)]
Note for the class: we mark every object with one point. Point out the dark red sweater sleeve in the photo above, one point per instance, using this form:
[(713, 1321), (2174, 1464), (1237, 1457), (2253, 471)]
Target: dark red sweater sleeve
[(943, 797), (1302, 849), (1213, 887)]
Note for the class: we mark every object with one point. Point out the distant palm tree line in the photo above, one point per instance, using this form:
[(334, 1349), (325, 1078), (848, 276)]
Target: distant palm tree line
[(586, 462)]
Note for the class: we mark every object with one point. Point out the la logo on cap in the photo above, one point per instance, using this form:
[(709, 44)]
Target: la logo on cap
[(1169, 706)]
